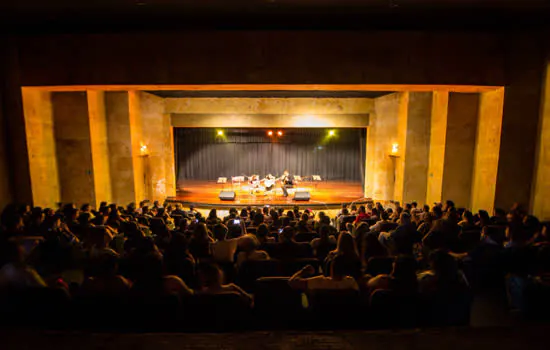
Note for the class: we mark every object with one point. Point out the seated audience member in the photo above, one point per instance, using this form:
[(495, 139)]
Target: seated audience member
[(402, 239), (324, 244), (223, 249), (467, 222), (288, 248), (192, 211), (262, 234), (338, 278), (402, 280), (346, 249), (444, 234), (178, 261), (442, 277), (199, 245), (106, 280), (362, 215), (15, 274), (341, 211), (384, 219), (232, 215), (396, 214), (303, 225), (248, 245), (484, 218), (353, 209), (211, 282), (448, 206), (179, 211), (212, 218), (152, 282), (426, 224), (258, 219), (244, 214), (532, 227), (372, 248), (499, 217)]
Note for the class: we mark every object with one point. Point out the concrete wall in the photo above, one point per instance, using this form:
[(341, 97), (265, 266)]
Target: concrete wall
[(541, 190), (381, 169), (462, 117), (504, 58), (120, 147), (41, 145), (417, 147), (100, 146), (73, 147), (157, 136)]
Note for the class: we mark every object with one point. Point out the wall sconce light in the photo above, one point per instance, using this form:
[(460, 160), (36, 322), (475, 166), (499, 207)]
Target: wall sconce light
[(279, 133), (395, 148), (143, 149)]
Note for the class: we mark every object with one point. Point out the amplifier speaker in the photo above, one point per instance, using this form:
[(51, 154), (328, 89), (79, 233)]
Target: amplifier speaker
[(301, 196), (227, 195)]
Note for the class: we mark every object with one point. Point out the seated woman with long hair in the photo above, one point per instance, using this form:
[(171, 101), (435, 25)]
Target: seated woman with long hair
[(106, 280), (324, 244), (212, 218), (347, 250), (199, 245)]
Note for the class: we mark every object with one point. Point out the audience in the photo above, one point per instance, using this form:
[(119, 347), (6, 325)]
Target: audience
[(160, 250)]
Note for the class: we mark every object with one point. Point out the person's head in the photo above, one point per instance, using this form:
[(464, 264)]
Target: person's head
[(290, 215), (85, 208), (468, 216), (286, 173), (244, 213), (265, 210), (374, 212), (201, 232), (443, 264), (344, 206), (384, 216), (324, 232), (288, 234), (408, 207), (361, 228), (106, 264), (499, 213), (362, 210), (426, 208), (220, 232), (398, 211), (404, 267), (274, 215), (210, 276), (262, 231), (84, 219), (346, 244), (531, 225), (305, 217), (345, 211), (484, 218), (405, 218), (494, 233), (156, 204), (338, 267), (353, 208), (213, 214), (414, 204), (258, 219), (448, 205), (437, 211), (515, 233), (151, 267), (248, 243), (191, 207)]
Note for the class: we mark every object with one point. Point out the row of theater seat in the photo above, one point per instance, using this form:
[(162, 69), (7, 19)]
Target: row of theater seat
[(276, 306)]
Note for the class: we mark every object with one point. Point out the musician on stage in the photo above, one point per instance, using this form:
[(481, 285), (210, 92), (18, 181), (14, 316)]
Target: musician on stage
[(287, 180), (269, 182)]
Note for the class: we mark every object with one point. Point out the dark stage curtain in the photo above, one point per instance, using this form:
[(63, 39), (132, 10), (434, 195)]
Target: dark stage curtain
[(203, 155)]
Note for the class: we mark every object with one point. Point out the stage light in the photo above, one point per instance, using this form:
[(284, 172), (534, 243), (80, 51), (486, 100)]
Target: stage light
[(279, 133), (220, 133), (394, 148), (270, 133), (331, 133)]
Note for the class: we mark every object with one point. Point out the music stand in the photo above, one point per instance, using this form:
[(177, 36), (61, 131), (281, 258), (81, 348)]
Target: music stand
[(316, 179), (222, 181)]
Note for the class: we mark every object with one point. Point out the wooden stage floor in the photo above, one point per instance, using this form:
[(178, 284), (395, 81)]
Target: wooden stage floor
[(325, 194)]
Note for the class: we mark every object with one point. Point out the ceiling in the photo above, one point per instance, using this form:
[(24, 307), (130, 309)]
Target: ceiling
[(70, 15), (273, 94)]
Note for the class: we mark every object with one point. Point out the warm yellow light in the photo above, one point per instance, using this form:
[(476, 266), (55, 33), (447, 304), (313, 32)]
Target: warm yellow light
[(331, 133), (270, 133), (394, 148), (220, 133), (280, 133), (143, 148)]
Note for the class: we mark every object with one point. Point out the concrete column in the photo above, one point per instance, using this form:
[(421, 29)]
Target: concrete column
[(540, 200), (438, 137), (157, 136), (39, 125), (381, 164), (120, 158), (487, 150), (417, 147), (460, 148), (100, 146), (73, 147), (5, 188), (139, 157)]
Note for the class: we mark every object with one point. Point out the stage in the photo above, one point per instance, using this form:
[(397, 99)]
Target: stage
[(324, 194)]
